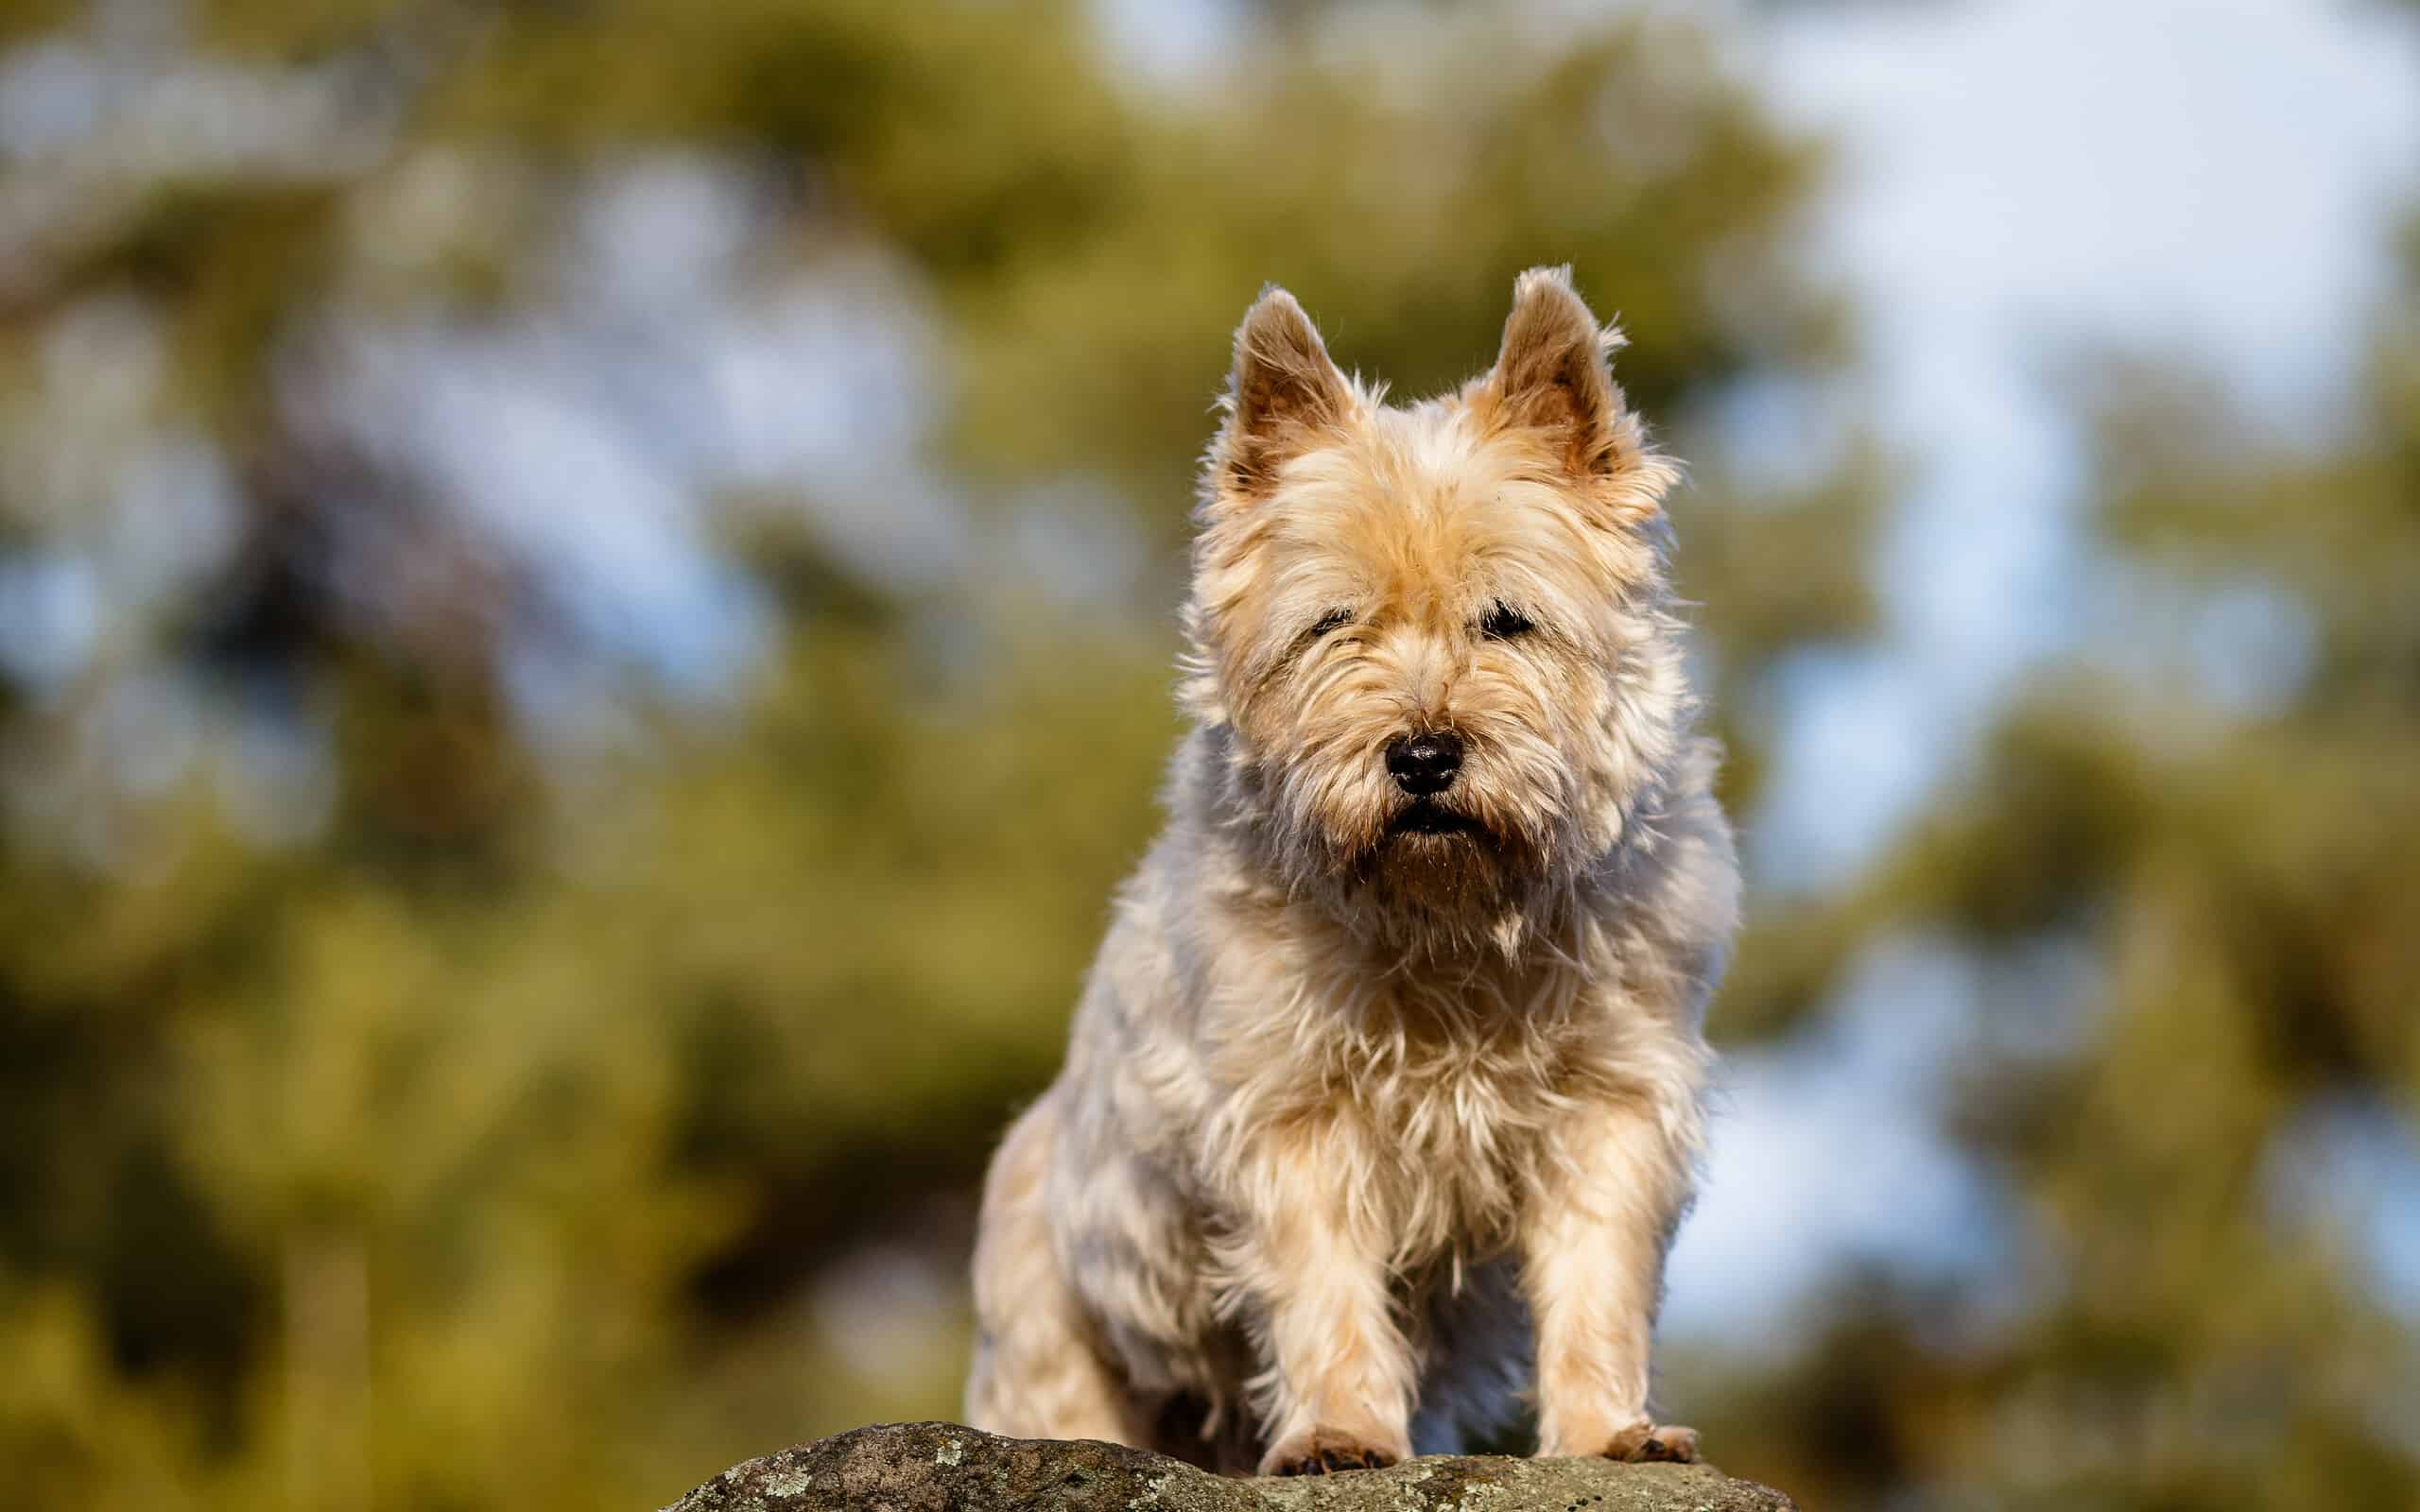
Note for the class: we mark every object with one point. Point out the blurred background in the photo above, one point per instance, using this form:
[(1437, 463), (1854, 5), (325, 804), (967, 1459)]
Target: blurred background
[(586, 606)]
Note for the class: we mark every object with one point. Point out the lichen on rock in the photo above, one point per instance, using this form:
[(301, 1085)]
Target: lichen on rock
[(949, 1467)]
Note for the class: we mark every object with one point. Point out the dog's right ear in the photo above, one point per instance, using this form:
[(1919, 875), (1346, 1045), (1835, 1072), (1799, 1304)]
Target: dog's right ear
[(1284, 395)]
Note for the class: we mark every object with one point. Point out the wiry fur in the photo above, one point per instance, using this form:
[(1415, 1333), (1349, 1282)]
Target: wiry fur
[(1365, 1128)]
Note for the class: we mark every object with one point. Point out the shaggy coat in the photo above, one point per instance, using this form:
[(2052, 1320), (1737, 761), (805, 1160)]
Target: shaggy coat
[(1383, 1098)]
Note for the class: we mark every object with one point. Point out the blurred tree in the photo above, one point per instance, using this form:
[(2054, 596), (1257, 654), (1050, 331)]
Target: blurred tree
[(471, 1031), (455, 1048), (2217, 811)]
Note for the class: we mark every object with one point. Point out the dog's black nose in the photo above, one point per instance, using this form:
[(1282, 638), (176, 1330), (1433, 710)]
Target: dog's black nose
[(1425, 763)]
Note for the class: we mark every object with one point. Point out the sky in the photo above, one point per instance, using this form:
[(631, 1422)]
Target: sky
[(2214, 181), (2019, 183), (2023, 184)]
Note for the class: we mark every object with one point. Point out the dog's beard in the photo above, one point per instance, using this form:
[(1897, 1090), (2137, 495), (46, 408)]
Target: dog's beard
[(1438, 861), (1436, 875)]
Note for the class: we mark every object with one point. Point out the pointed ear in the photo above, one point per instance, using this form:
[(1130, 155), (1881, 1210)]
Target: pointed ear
[(1551, 377), (1283, 394)]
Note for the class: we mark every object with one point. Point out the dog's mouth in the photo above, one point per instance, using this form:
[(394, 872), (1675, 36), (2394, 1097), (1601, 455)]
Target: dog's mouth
[(1427, 817)]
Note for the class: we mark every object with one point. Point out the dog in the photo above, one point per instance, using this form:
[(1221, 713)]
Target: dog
[(1383, 1099)]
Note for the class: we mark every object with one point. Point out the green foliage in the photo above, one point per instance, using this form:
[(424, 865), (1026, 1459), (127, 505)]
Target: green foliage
[(2239, 869), (482, 1106), (518, 1117)]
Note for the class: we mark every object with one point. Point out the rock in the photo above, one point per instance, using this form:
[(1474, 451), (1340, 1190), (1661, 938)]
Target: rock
[(944, 1468)]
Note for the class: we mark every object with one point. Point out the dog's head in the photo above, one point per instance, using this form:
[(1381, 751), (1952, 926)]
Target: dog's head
[(1430, 642)]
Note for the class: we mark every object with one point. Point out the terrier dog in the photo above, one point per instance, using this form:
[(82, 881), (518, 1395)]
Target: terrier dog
[(1382, 1101)]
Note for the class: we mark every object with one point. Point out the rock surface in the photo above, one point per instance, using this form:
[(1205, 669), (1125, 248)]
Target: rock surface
[(944, 1468)]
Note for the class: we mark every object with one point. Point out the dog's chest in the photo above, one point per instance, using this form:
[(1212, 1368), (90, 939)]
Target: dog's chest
[(1432, 1111)]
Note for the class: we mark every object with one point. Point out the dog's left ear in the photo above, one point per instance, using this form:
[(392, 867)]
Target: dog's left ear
[(1551, 377)]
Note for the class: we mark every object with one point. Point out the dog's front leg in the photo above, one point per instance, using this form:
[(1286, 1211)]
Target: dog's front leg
[(1338, 1375), (1593, 1240)]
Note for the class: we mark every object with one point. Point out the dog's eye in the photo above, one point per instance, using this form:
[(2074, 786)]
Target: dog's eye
[(1335, 619), (1503, 621)]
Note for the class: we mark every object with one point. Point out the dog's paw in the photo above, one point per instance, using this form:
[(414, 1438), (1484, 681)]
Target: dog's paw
[(1323, 1451), (1654, 1441)]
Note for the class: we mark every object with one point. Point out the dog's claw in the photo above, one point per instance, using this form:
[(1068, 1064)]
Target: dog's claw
[(1331, 1458), (1655, 1442), (1329, 1461)]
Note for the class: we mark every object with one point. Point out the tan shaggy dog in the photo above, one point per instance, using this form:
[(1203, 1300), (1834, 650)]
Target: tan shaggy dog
[(1382, 1101)]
